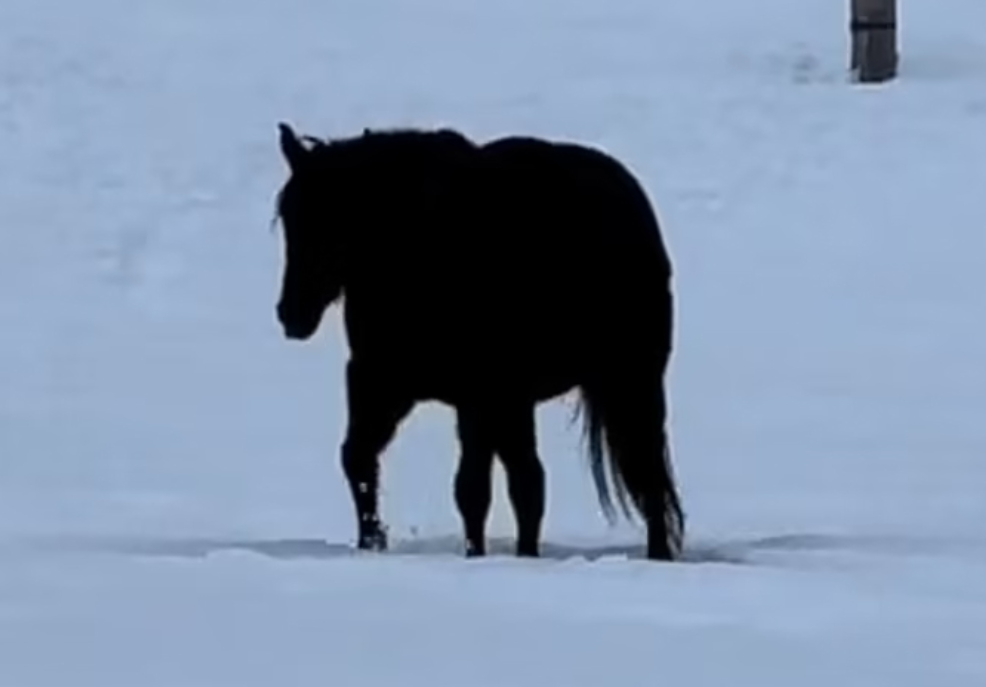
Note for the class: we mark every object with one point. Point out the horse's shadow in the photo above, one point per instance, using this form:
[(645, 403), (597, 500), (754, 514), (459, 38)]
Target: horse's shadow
[(299, 549), (733, 552)]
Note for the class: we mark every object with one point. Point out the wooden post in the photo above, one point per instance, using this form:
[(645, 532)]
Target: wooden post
[(873, 29)]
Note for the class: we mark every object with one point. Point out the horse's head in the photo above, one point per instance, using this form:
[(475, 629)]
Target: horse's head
[(312, 279)]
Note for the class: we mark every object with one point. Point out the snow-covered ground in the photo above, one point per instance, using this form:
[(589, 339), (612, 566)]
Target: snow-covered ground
[(172, 512)]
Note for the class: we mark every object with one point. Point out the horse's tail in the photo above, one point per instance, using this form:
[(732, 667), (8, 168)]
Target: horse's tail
[(625, 417)]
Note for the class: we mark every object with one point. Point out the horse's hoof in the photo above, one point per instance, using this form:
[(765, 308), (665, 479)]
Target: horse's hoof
[(373, 542), (528, 551), (661, 554)]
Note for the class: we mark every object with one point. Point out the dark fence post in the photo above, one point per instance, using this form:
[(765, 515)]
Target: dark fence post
[(873, 29)]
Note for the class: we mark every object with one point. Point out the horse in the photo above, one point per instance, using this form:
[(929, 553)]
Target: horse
[(488, 277)]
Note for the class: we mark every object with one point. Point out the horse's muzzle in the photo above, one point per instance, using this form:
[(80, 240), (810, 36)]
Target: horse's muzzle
[(295, 327)]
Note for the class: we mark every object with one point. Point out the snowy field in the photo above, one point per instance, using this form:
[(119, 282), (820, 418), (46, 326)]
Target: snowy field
[(172, 512)]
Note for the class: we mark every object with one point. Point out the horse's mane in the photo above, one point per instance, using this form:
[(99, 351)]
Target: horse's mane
[(388, 136), (369, 139)]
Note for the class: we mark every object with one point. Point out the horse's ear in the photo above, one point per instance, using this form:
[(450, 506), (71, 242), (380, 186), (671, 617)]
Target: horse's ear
[(291, 146)]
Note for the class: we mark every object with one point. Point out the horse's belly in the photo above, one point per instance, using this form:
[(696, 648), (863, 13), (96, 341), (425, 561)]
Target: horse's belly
[(449, 344), (498, 365)]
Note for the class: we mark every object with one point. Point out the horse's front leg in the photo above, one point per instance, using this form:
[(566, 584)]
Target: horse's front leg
[(375, 411)]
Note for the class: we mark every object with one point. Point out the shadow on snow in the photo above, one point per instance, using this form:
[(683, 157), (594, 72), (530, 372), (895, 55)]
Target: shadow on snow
[(737, 552)]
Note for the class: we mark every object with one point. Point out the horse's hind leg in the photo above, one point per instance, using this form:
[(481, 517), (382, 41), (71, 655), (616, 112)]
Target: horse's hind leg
[(516, 444), (474, 478), (507, 430), (375, 411)]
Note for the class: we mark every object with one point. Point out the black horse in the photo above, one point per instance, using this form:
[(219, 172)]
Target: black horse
[(489, 277)]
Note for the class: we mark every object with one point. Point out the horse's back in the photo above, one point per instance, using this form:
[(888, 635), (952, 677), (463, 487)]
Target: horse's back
[(573, 247), (573, 228), (543, 256), (559, 193)]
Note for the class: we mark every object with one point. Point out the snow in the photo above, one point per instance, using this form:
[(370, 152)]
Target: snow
[(171, 507)]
